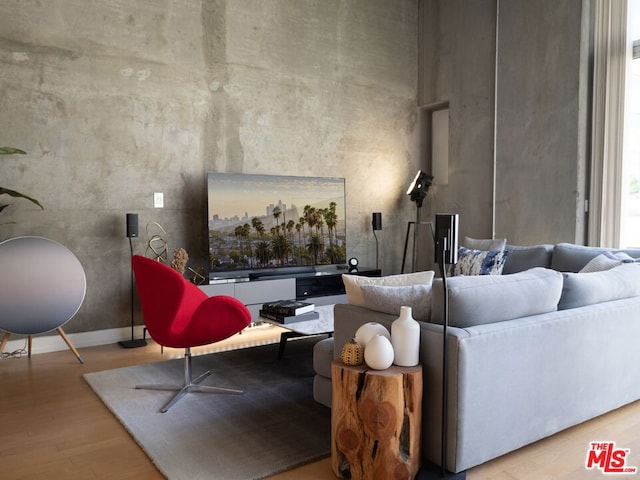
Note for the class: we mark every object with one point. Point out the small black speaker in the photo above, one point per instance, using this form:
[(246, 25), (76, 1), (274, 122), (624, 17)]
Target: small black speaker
[(376, 220), (132, 225), (446, 250)]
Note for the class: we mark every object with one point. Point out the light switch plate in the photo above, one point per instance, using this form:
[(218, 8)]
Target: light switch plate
[(158, 200)]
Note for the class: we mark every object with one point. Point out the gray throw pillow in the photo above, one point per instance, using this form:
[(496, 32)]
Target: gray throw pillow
[(582, 289), (477, 300), (523, 258), (390, 299)]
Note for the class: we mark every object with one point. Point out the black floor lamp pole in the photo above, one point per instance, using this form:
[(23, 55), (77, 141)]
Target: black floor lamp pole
[(132, 231), (446, 246), (445, 363), (131, 285)]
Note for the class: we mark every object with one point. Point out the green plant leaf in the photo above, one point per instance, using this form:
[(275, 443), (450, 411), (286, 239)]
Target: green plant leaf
[(11, 151), (13, 193)]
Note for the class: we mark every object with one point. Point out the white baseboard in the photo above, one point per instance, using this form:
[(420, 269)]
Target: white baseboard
[(52, 342)]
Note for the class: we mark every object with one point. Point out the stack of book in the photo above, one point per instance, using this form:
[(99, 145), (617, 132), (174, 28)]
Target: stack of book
[(289, 311)]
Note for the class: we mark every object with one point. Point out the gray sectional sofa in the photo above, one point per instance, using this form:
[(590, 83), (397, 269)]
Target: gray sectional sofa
[(531, 352)]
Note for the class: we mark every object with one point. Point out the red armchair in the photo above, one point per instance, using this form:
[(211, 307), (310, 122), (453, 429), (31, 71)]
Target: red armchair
[(178, 314)]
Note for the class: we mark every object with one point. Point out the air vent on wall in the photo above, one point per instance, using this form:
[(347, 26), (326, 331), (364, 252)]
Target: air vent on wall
[(636, 49)]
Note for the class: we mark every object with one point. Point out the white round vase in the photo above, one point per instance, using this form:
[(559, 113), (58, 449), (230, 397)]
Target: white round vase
[(378, 354), (405, 338), (369, 330)]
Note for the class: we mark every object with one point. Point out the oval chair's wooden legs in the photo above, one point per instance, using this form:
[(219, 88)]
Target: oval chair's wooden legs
[(5, 339), (69, 344), (3, 342)]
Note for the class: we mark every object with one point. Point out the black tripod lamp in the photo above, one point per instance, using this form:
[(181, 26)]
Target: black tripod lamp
[(417, 191), (132, 231), (419, 187)]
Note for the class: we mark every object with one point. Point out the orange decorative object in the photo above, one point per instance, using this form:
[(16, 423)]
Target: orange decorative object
[(352, 353)]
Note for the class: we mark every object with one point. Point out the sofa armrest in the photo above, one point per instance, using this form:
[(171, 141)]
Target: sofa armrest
[(348, 318)]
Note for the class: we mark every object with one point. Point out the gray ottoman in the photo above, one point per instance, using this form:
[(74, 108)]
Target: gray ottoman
[(322, 358)]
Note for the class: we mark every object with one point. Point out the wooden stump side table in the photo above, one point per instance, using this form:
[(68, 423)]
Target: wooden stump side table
[(376, 418)]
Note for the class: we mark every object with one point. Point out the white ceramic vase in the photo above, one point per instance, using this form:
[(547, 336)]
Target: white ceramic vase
[(405, 338), (378, 354), (369, 330)]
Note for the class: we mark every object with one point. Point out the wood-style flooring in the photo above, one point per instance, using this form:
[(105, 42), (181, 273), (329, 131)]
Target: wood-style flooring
[(52, 425)]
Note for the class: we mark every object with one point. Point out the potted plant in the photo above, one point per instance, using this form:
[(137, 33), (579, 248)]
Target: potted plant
[(13, 193)]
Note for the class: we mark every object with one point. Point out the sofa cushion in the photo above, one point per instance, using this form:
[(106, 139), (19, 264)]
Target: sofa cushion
[(523, 258), (352, 283), (389, 299), (568, 257), (606, 261), (485, 243), (479, 262), (323, 356), (582, 289), (477, 300)]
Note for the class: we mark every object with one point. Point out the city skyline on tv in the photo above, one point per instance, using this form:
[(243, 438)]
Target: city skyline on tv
[(266, 221)]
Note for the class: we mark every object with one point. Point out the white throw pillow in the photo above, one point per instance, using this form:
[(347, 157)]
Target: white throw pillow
[(390, 299), (352, 283), (485, 243), (606, 261)]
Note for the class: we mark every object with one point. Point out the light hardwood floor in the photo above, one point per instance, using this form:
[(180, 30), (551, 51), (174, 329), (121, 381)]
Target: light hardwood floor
[(53, 426)]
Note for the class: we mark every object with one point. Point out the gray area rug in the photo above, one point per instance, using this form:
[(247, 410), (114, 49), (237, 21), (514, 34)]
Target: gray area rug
[(273, 427)]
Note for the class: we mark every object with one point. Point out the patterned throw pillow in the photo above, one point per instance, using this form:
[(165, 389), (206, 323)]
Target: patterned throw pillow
[(479, 262)]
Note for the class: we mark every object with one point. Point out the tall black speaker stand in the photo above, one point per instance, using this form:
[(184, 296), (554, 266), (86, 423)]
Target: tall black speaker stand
[(431, 471), (133, 343), (376, 237)]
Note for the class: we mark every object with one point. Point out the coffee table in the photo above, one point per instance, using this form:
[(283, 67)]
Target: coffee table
[(308, 328)]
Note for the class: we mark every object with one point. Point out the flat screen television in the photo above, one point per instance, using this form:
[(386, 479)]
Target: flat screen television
[(261, 225)]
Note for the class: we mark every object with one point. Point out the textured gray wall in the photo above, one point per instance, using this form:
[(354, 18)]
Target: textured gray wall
[(542, 121), (542, 111), (114, 100)]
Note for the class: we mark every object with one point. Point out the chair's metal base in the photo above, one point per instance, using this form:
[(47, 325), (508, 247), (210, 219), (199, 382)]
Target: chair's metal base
[(189, 385)]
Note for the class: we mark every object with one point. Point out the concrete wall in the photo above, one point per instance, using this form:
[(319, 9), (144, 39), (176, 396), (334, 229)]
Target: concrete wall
[(541, 121), (114, 100)]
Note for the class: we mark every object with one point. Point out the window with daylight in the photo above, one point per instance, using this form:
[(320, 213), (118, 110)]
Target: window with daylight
[(630, 185), (614, 203)]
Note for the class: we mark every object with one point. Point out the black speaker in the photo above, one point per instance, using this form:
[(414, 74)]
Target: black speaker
[(376, 220), (132, 225), (446, 250)]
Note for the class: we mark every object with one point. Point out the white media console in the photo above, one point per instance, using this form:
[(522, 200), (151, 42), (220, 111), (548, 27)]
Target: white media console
[(320, 289)]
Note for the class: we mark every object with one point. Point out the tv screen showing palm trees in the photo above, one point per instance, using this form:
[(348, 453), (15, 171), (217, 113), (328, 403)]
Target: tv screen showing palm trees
[(274, 221)]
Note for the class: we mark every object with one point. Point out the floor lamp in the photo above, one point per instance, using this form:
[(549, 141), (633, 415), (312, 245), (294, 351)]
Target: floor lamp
[(446, 252), (417, 191), (132, 231)]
